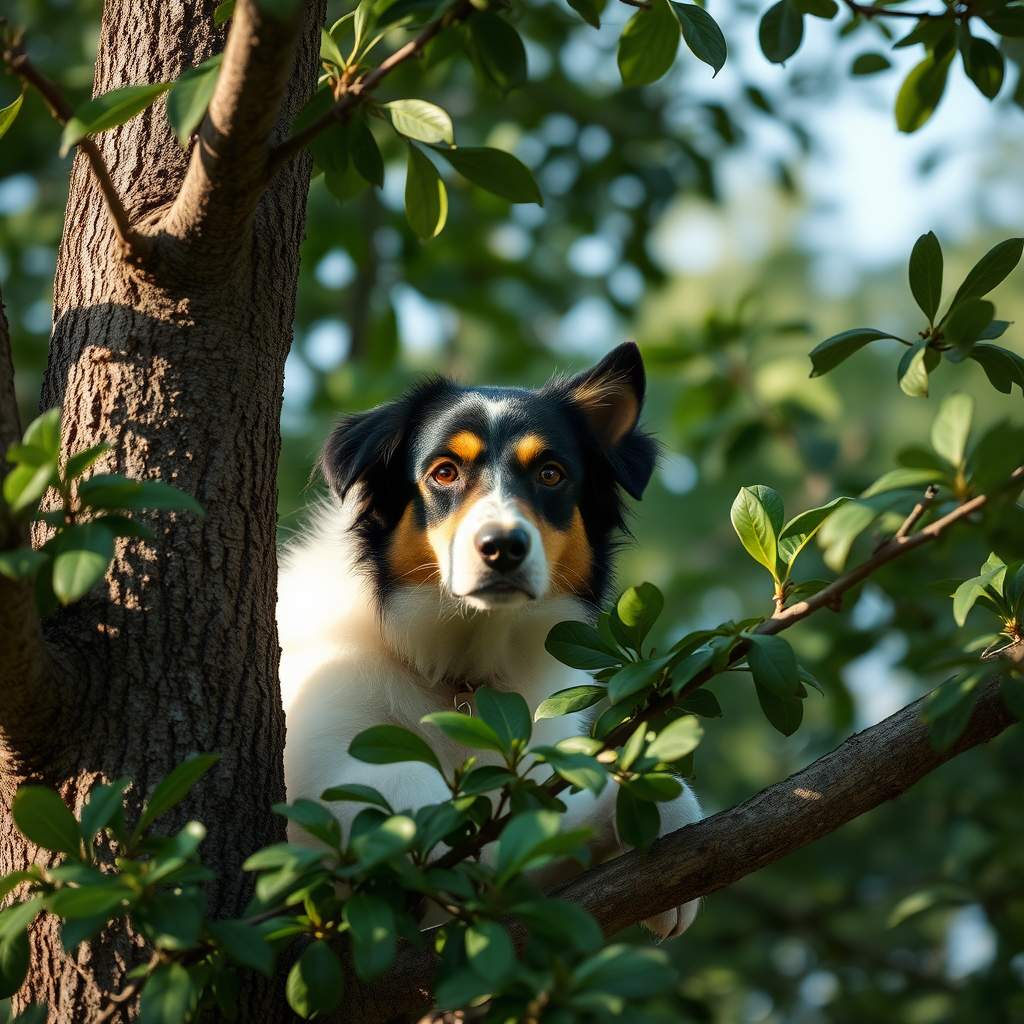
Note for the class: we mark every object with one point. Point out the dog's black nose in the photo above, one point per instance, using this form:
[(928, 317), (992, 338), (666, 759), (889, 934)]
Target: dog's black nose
[(503, 550)]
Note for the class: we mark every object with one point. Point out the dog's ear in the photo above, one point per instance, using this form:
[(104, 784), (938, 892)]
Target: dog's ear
[(364, 446), (611, 395)]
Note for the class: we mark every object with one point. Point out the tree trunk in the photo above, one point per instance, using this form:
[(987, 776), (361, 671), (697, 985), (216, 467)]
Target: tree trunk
[(176, 652)]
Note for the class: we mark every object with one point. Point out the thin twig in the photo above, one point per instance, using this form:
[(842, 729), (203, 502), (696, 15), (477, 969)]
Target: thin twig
[(644, 5), (353, 93), (132, 243), (118, 1002), (916, 512)]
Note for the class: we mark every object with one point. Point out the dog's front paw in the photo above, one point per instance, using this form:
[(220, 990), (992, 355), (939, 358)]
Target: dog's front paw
[(673, 922)]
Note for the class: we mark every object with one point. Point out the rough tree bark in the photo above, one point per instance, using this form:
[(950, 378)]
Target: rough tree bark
[(180, 364)]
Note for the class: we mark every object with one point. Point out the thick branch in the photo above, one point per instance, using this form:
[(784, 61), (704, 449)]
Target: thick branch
[(132, 243), (350, 95), (874, 766), (228, 172)]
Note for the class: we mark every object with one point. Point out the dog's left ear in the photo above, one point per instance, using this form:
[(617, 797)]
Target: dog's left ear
[(611, 395)]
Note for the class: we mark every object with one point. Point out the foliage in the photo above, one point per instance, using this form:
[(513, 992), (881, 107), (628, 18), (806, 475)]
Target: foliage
[(86, 523), (718, 416)]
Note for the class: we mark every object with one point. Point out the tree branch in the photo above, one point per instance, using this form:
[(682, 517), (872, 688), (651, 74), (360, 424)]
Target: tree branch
[(133, 245), (869, 769), (228, 172), (28, 700), (869, 11), (351, 94)]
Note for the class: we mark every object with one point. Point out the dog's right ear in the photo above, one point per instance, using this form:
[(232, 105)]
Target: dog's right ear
[(364, 446)]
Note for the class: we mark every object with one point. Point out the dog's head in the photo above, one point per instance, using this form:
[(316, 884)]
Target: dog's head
[(497, 496)]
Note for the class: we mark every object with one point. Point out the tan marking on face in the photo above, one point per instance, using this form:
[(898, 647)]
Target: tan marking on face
[(466, 445), (411, 558), (528, 448), (568, 553)]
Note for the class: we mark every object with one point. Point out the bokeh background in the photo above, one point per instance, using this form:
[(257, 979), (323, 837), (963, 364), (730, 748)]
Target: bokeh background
[(728, 225)]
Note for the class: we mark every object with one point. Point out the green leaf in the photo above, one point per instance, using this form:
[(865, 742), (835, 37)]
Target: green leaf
[(996, 329), (832, 351), (25, 485), (648, 45), (86, 551), (702, 34), (588, 10), (105, 805), (391, 838), (353, 792), (388, 744), (174, 788), (426, 201), (108, 111), (170, 920), (948, 707), (826, 9), (569, 701), (242, 942), (701, 702), (364, 152), (918, 902), (904, 478), (676, 740), (773, 664), (21, 563), (992, 269), (14, 951), (518, 844), (685, 670), (578, 769), (921, 91), (347, 186), (497, 51), (223, 12), (951, 426), (781, 31), (870, 64), (489, 951), (912, 372), (44, 432), (784, 713), (80, 462), (965, 325), (627, 971), (314, 818), (984, 65), (580, 645), (485, 779), (926, 271), (507, 714), (9, 113), (753, 523), (655, 787), (799, 530), (638, 610), (420, 120), (637, 821), (37, 1013), (970, 590), (635, 677), (190, 96), (495, 171), (1007, 21), (372, 924), (329, 50), (43, 818), (470, 732), (169, 996), (18, 916), (92, 901), (1002, 367), (118, 492)]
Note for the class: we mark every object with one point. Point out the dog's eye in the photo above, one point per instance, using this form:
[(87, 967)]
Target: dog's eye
[(446, 473), (550, 475)]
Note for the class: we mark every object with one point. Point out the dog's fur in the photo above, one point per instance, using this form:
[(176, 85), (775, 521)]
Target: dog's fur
[(465, 523)]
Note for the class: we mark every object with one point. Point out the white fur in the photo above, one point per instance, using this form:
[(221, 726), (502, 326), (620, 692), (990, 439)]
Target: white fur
[(344, 668)]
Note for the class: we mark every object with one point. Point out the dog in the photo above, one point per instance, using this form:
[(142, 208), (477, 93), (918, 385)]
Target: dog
[(464, 522)]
